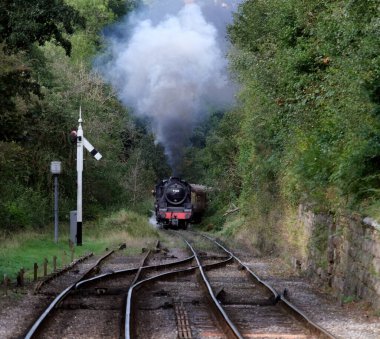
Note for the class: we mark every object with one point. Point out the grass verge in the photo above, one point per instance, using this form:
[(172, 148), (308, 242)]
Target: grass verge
[(22, 250)]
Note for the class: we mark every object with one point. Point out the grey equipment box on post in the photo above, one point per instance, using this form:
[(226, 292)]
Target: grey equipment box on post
[(73, 227)]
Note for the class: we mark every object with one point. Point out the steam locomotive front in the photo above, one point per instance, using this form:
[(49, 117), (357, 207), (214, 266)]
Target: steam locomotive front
[(173, 203), (175, 193)]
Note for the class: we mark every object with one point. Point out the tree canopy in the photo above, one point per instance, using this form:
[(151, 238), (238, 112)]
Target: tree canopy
[(22, 23), (307, 125), (42, 86)]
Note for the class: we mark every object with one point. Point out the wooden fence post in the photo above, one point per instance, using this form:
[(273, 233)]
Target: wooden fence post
[(20, 278), (72, 250), (64, 258), (54, 263), (5, 284), (45, 267), (35, 271)]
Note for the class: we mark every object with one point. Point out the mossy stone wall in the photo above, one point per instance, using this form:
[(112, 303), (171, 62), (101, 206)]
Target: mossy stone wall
[(343, 252)]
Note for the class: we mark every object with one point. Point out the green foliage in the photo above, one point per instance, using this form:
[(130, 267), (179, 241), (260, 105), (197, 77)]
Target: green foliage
[(40, 94), (310, 85), (307, 126), (23, 249), (22, 207), (134, 224), (98, 14), (23, 23), (348, 299), (196, 161)]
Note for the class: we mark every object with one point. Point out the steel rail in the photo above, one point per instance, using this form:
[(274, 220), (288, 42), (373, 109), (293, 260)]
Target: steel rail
[(128, 311), (104, 275), (312, 324), (127, 320), (280, 297), (46, 313), (132, 270), (81, 282), (59, 298), (231, 329), (276, 295), (58, 273), (96, 265), (158, 277), (136, 270)]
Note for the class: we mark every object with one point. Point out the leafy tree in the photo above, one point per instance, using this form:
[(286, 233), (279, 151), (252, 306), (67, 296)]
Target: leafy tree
[(41, 89), (292, 58), (307, 125), (23, 23)]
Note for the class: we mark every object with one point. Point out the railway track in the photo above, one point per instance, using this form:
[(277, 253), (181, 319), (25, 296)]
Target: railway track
[(97, 300), (206, 293), (229, 301), (164, 305), (257, 309), (77, 271), (65, 284)]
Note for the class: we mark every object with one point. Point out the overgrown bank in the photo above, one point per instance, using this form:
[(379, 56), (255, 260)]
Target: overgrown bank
[(307, 126), (306, 131)]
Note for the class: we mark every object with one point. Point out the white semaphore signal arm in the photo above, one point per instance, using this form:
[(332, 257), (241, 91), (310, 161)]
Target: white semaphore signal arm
[(91, 149)]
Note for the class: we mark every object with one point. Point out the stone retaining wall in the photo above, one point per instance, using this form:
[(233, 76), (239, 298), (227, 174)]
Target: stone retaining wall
[(343, 252)]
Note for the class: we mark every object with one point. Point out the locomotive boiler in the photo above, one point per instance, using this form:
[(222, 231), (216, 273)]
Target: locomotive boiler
[(178, 203)]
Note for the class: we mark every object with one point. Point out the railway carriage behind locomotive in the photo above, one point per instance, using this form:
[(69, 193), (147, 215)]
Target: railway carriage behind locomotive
[(178, 203)]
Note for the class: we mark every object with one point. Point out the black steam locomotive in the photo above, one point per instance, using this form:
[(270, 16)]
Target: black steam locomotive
[(178, 203)]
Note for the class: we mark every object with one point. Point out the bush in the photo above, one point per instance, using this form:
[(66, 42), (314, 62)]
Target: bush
[(22, 208), (136, 225)]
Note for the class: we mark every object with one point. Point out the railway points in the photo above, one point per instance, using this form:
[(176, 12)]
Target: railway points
[(202, 290)]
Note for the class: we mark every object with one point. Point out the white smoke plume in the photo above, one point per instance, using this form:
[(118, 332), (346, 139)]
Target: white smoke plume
[(171, 70)]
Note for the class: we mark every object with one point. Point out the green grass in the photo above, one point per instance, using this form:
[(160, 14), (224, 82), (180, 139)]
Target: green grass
[(22, 250), (348, 299), (372, 210)]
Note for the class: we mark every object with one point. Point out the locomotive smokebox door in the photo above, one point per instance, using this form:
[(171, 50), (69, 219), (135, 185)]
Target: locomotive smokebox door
[(173, 203)]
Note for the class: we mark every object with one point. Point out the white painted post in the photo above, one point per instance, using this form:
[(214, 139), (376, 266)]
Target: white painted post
[(82, 142), (79, 178)]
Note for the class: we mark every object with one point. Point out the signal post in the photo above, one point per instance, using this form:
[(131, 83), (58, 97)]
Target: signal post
[(81, 142)]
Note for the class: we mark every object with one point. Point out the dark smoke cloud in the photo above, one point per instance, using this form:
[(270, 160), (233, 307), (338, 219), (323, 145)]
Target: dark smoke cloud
[(168, 62)]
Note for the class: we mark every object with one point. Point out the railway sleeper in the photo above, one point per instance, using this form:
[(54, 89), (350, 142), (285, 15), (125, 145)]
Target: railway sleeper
[(256, 302), (161, 293), (83, 306), (213, 257), (223, 297), (99, 291), (47, 294), (164, 306)]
